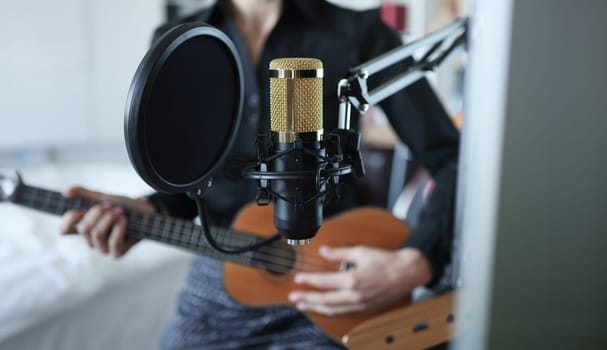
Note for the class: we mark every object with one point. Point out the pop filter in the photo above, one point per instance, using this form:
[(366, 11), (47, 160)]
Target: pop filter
[(183, 108)]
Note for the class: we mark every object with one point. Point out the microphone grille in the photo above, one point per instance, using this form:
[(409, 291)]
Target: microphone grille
[(296, 95)]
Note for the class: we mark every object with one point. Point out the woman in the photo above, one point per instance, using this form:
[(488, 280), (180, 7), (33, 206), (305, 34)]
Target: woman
[(263, 30)]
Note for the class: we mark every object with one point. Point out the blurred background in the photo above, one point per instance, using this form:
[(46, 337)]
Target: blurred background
[(66, 67)]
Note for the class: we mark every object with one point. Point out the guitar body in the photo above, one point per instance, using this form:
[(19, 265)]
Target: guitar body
[(365, 226)]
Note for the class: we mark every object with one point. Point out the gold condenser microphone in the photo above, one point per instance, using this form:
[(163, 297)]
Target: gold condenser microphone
[(296, 130)]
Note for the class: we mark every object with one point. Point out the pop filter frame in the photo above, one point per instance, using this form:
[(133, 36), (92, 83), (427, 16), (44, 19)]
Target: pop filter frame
[(143, 105)]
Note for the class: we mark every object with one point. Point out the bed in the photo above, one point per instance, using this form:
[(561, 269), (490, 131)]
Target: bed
[(56, 293)]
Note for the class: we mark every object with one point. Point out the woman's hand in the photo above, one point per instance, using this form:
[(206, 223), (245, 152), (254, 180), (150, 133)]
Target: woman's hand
[(104, 225), (378, 279)]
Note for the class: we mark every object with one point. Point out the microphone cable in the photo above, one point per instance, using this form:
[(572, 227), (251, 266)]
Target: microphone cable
[(208, 237)]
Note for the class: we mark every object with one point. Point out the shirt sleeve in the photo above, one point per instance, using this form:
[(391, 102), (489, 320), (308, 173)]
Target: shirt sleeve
[(422, 123)]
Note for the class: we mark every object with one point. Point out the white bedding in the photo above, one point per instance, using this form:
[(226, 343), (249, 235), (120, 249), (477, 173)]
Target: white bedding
[(56, 293)]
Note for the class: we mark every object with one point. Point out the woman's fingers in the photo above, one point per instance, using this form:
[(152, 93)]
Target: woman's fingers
[(118, 241), (69, 221)]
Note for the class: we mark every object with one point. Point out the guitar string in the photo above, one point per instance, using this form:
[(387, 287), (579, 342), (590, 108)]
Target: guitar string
[(189, 240), (313, 260), (269, 260), (269, 254), (275, 259), (268, 257)]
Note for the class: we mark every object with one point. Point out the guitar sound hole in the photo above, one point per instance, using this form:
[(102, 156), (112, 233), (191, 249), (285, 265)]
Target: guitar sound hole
[(278, 258)]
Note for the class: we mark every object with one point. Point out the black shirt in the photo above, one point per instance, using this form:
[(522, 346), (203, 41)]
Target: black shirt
[(341, 39)]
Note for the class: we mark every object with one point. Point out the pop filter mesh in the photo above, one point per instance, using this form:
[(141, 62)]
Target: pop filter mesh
[(190, 111)]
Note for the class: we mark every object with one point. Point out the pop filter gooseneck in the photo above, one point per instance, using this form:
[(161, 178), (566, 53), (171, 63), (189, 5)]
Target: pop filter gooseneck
[(183, 112)]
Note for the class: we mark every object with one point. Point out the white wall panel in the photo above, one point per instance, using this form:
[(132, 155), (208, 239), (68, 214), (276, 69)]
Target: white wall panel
[(65, 69), (121, 32), (43, 78)]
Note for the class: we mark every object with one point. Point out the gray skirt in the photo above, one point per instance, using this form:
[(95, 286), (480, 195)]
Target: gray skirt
[(208, 318)]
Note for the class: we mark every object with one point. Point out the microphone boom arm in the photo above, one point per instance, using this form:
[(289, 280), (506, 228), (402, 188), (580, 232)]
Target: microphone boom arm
[(353, 90)]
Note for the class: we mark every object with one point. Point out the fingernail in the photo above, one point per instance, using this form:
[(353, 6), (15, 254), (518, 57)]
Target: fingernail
[(106, 205), (293, 297), (301, 306), (118, 210), (298, 279), (324, 249)]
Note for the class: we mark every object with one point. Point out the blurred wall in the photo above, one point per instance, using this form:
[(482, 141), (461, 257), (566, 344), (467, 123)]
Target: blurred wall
[(65, 70), (66, 67)]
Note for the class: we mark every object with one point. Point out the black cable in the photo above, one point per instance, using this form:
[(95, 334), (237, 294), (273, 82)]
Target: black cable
[(206, 232)]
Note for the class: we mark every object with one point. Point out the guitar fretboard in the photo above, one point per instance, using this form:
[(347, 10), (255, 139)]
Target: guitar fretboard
[(173, 231)]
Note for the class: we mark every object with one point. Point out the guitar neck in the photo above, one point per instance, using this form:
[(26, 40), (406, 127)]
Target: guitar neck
[(176, 232)]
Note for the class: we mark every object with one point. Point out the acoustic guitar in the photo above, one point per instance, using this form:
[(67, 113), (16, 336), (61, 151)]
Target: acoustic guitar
[(260, 277)]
